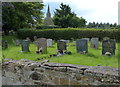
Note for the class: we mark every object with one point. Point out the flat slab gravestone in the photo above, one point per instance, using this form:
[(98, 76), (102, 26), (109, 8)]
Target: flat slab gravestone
[(61, 45), (25, 46), (94, 43), (42, 44), (49, 42), (4, 44), (108, 46), (82, 46)]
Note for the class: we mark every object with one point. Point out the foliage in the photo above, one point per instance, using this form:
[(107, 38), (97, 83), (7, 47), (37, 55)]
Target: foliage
[(64, 18), (68, 33), (21, 14), (46, 27)]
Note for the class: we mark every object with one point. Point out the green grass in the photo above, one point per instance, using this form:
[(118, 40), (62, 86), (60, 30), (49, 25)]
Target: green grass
[(93, 57)]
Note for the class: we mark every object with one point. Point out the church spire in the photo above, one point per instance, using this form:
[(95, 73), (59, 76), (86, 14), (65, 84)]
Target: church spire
[(48, 12)]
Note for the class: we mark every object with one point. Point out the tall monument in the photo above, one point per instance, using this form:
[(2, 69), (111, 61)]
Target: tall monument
[(48, 20), (119, 13)]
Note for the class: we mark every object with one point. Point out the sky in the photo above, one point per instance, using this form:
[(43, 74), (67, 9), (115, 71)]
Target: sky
[(92, 10)]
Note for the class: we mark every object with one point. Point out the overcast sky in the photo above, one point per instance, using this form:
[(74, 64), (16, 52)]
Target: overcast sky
[(92, 10)]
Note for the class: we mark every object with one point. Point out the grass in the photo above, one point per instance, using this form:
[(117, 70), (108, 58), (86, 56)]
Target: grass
[(93, 57)]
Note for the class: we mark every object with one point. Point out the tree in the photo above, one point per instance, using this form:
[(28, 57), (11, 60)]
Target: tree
[(21, 14), (64, 18)]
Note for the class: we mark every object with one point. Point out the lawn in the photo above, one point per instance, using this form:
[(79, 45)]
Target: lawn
[(93, 57)]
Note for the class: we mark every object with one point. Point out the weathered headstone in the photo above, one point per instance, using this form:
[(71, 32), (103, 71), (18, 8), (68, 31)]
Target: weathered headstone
[(82, 46), (108, 46), (94, 43), (16, 42), (28, 39), (25, 46), (42, 45), (49, 42), (86, 39), (61, 45), (4, 44), (35, 38)]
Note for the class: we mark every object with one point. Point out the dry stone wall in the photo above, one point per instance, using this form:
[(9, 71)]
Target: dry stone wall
[(25, 72)]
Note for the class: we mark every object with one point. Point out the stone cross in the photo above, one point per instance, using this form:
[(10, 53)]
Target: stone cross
[(42, 45), (61, 45), (82, 46), (108, 46), (94, 43), (25, 46), (4, 44), (49, 42)]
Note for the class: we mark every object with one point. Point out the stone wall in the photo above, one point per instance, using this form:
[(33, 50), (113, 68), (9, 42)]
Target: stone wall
[(25, 72)]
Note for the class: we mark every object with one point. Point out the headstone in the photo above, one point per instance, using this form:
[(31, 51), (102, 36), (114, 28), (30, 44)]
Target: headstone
[(42, 45), (35, 38), (16, 42), (82, 46), (94, 43), (108, 46), (106, 38), (4, 44), (49, 42), (25, 46), (28, 38), (86, 39), (61, 45)]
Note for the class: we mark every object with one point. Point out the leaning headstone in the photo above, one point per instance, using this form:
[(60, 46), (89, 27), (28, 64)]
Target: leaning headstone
[(42, 45), (25, 46), (82, 46), (108, 46), (61, 45), (16, 42), (4, 44), (94, 43), (49, 42)]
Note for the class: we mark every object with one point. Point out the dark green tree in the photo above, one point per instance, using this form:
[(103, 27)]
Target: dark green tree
[(17, 15), (64, 18)]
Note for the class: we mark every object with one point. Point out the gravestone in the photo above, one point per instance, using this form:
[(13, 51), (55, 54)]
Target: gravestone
[(108, 46), (35, 38), (4, 44), (25, 46), (82, 46), (106, 38), (42, 45), (61, 45), (16, 42), (86, 39), (49, 42), (94, 43), (28, 39)]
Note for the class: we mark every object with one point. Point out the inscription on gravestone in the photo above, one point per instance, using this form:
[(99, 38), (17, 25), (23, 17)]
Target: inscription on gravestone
[(25, 46), (108, 46), (61, 45), (42, 45), (82, 46)]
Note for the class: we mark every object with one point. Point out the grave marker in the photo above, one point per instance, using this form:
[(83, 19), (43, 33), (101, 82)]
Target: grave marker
[(94, 43), (82, 46), (4, 44), (25, 46), (61, 45), (49, 42)]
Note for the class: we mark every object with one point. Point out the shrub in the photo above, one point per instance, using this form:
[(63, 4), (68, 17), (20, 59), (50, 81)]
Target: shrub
[(46, 27), (68, 33)]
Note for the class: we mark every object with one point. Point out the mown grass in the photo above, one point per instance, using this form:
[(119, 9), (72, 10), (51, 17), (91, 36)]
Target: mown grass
[(93, 57)]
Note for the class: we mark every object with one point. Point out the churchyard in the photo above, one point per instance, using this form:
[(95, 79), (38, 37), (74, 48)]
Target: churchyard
[(87, 53)]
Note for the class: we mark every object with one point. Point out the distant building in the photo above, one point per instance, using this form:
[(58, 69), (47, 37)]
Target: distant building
[(48, 20), (119, 13)]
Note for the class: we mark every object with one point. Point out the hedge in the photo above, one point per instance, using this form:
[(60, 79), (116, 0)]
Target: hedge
[(69, 33)]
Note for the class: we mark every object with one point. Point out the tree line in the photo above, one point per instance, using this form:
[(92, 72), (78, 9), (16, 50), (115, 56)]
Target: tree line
[(16, 15)]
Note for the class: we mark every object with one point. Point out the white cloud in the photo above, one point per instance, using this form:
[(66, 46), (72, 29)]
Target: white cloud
[(98, 10)]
